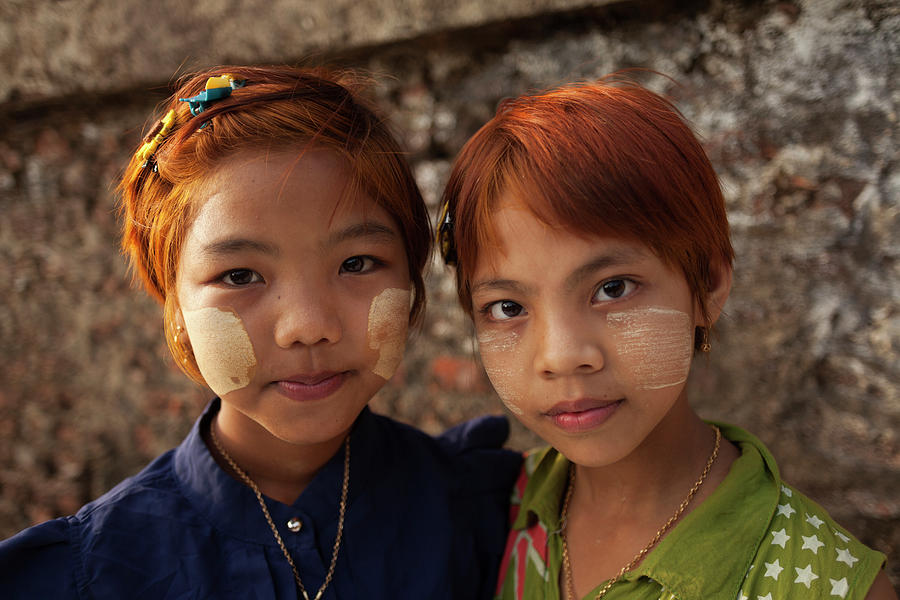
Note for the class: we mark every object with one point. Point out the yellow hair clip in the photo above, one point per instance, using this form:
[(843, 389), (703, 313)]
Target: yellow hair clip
[(156, 136)]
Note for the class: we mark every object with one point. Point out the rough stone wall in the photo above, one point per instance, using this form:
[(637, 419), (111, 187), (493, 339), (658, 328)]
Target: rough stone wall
[(798, 108)]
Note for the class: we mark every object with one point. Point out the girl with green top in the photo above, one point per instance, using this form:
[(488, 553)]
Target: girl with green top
[(592, 252)]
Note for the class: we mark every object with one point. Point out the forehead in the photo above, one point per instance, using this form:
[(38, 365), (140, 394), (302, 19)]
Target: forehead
[(517, 237), (271, 190), (250, 173)]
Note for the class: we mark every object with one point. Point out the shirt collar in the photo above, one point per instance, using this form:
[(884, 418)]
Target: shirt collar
[(232, 507), (542, 498), (735, 517)]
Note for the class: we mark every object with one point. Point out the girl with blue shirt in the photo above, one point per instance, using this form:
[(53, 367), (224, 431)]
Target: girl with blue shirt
[(592, 250), (273, 215)]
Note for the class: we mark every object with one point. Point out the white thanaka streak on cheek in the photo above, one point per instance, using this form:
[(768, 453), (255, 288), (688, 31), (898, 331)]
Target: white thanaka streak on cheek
[(386, 332), (222, 348), (654, 345), (494, 341), (492, 347)]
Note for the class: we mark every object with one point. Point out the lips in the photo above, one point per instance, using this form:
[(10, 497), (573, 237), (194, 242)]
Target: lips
[(582, 415), (311, 386)]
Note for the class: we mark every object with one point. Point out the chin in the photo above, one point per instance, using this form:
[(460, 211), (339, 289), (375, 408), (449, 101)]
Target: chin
[(312, 431), (303, 437), (591, 453)]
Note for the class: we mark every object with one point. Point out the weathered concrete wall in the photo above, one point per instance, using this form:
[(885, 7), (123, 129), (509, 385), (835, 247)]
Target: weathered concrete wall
[(798, 108), (51, 48)]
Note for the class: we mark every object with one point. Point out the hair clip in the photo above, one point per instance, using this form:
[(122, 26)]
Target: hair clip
[(445, 236), (156, 136), (217, 88)]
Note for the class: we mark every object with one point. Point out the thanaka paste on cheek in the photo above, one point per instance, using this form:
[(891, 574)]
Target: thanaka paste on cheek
[(653, 345), (222, 348), (386, 332), (494, 348)]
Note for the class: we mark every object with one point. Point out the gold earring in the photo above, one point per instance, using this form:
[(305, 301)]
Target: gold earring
[(178, 330), (704, 343)]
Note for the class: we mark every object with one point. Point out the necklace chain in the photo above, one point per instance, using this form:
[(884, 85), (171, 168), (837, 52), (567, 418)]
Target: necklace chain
[(567, 565), (262, 504)]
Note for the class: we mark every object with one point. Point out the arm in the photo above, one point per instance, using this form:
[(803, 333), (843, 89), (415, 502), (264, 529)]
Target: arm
[(881, 588)]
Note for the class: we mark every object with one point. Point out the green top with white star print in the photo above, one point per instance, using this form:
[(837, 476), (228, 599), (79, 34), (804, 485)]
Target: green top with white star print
[(754, 538)]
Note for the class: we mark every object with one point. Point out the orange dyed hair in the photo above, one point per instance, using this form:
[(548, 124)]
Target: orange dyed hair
[(278, 108), (604, 158)]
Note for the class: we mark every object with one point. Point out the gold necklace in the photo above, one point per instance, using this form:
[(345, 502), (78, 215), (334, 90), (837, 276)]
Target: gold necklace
[(567, 565), (262, 504)]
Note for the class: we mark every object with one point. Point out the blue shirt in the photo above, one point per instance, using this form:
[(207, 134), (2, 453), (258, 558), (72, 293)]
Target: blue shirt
[(426, 518)]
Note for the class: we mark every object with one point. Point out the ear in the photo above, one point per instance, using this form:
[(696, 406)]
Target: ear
[(720, 287)]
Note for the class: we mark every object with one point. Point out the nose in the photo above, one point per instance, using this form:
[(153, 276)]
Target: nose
[(568, 346), (306, 315)]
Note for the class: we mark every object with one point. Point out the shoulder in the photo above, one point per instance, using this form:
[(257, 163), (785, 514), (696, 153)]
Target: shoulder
[(154, 486), (27, 558), (471, 452), (801, 551), (105, 535), (487, 432), (443, 499), (805, 553)]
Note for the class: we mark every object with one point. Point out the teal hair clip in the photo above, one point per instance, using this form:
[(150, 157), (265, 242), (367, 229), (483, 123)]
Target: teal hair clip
[(217, 88)]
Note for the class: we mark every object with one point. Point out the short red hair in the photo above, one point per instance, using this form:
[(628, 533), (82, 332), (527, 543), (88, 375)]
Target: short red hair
[(277, 108), (608, 157)]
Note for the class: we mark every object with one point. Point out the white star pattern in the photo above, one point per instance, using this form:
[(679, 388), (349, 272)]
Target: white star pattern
[(814, 520), (766, 597), (787, 491), (773, 570), (786, 509), (812, 543), (742, 596), (780, 537), (843, 537), (844, 556), (805, 576), (839, 587)]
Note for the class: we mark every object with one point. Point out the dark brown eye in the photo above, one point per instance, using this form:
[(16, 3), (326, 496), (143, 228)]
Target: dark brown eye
[(613, 289), (359, 264), (240, 277), (353, 265), (505, 309)]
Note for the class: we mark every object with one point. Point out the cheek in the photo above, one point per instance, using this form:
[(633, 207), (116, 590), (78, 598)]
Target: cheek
[(501, 359), (222, 348), (386, 331), (653, 346)]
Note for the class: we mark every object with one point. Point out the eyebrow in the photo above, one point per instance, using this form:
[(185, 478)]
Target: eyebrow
[(508, 285), (614, 259), (369, 230), (233, 245), (366, 229), (576, 277)]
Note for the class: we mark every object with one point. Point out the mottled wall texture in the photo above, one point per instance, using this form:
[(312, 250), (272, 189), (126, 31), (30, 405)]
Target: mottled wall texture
[(797, 104)]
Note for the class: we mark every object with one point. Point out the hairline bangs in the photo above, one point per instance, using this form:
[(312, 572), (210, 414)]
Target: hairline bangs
[(582, 212), (596, 204)]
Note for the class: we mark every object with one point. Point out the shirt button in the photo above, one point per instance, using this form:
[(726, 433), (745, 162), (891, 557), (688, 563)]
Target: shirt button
[(294, 524)]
